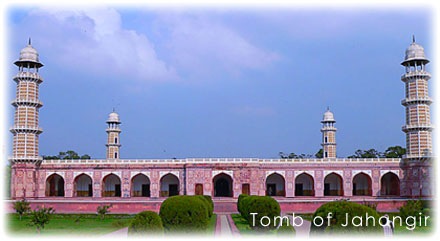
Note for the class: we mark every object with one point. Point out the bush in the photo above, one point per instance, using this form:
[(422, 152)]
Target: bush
[(240, 203), (22, 207), (244, 206), (40, 217), (339, 210), (146, 222), (184, 214), (102, 210), (208, 202), (286, 230), (263, 206), (411, 208)]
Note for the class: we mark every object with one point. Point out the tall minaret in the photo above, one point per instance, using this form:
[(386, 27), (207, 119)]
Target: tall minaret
[(328, 135), (417, 101), (27, 105), (113, 130)]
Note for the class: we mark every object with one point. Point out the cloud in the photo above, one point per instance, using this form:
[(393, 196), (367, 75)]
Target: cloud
[(93, 40), (202, 45)]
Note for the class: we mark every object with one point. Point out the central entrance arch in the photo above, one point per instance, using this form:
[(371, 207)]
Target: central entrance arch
[(222, 185)]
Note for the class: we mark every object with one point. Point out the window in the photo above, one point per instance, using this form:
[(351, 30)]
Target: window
[(116, 155), (325, 154), (116, 140), (325, 139)]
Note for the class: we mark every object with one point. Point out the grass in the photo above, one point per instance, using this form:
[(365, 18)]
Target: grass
[(211, 225), (79, 225), (245, 229), (402, 230), (70, 224)]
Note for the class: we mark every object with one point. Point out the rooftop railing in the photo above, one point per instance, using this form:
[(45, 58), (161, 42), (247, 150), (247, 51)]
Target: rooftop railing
[(222, 160)]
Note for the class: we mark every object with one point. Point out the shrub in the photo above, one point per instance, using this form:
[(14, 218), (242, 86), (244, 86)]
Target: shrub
[(208, 202), (146, 222), (40, 217), (263, 206), (240, 203), (244, 206), (339, 210), (184, 214), (411, 208), (286, 230), (22, 207), (102, 210)]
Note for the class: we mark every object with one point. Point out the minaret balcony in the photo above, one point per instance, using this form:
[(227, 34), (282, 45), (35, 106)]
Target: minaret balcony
[(28, 129), (30, 102), (28, 76), (113, 144), (418, 127), (113, 130), (329, 128), (419, 100), (25, 158), (415, 74)]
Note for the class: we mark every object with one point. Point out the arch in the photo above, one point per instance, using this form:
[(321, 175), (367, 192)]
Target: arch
[(169, 185), (82, 186), (111, 186), (275, 185), (54, 186), (361, 185), (304, 185), (223, 185), (390, 185), (333, 185), (140, 186)]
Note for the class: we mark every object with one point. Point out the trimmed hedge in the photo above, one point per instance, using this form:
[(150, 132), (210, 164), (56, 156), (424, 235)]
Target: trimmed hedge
[(240, 203), (146, 222), (263, 206), (208, 202), (339, 210), (184, 214)]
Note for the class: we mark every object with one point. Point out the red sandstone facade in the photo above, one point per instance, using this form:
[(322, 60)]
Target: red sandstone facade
[(299, 184)]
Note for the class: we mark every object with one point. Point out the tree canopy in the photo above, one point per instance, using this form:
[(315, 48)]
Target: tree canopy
[(67, 155)]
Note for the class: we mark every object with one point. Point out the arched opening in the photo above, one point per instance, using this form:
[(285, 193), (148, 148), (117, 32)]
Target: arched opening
[(223, 185), (82, 186), (55, 186), (333, 185), (275, 185), (169, 185), (390, 185), (140, 186), (111, 186), (304, 185), (362, 185)]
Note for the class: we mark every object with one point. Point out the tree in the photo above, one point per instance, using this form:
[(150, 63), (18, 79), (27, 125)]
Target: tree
[(292, 155), (394, 152), (371, 153), (102, 210), (67, 155), (320, 153), (22, 207), (40, 217)]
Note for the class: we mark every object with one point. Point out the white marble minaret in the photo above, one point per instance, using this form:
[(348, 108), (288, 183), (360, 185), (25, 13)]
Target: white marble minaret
[(113, 131)]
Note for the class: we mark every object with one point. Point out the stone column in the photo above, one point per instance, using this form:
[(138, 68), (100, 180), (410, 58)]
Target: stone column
[(319, 187), (97, 184), (347, 183)]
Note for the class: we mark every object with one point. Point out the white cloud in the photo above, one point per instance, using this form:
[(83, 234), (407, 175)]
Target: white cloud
[(202, 45), (93, 40)]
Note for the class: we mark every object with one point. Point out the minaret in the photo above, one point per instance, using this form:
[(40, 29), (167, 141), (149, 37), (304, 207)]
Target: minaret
[(113, 130), (27, 105), (417, 101), (328, 135)]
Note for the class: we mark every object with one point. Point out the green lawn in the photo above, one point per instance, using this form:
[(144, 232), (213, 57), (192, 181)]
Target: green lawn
[(245, 229), (79, 225), (418, 230), (70, 224)]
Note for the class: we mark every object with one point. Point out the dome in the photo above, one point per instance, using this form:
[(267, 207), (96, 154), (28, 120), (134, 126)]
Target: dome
[(113, 117), (328, 117), (415, 52), (29, 55)]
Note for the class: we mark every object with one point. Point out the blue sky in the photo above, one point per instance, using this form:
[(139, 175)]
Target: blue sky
[(218, 82)]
